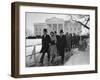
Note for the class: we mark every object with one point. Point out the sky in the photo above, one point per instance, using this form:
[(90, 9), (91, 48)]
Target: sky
[(32, 18)]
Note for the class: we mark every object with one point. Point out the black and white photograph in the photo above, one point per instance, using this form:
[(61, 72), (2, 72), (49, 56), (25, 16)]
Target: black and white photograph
[(57, 39), (52, 39)]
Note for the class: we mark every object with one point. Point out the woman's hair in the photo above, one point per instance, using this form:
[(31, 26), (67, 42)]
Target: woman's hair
[(52, 32)]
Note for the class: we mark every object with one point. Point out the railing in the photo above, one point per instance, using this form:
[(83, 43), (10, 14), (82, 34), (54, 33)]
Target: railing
[(33, 52)]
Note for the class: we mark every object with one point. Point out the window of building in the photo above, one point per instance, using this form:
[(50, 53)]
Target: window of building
[(79, 28), (71, 29), (55, 27), (49, 25), (60, 26), (75, 29), (35, 28), (67, 28)]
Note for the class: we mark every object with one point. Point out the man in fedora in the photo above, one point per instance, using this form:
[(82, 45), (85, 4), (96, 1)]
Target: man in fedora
[(62, 45)]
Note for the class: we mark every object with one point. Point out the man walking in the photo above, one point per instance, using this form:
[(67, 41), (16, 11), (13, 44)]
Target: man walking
[(62, 44), (45, 46)]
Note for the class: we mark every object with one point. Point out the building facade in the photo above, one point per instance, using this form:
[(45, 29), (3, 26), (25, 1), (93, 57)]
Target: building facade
[(57, 24), (38, 28), (73, 27)]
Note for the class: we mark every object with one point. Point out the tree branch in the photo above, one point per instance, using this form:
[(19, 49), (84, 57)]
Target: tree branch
[(85, 25), (82, 24), (87, 21)]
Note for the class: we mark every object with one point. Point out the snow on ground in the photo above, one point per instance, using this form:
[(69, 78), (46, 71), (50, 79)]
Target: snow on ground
[(79, 58)]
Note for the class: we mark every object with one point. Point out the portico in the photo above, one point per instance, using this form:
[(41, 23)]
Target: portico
[(55, 24)]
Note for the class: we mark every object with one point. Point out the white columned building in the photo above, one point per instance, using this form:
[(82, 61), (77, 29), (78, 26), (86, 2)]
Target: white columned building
[(55, 24)]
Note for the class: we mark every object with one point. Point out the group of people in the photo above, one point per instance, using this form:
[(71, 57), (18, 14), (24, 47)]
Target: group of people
[(54, 45)]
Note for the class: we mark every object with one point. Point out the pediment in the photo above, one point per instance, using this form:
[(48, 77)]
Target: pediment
[(55, 19)]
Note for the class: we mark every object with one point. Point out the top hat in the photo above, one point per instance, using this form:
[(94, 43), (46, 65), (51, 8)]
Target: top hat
[(45, 30), (61, 31)]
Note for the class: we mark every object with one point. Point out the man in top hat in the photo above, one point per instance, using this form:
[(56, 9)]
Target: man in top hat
[(45, 46), (62, 45)]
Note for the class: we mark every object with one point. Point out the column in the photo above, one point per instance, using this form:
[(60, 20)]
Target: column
[(57, 29), (63, 28)]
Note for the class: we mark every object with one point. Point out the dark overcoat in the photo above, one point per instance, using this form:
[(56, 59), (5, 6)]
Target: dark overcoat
[(62, 44), (45, 43)]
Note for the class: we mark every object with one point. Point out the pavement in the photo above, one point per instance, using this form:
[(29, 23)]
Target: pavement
[(79, 58), (75, 57)]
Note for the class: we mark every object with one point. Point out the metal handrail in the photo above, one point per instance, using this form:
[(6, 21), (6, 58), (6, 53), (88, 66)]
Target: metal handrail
[(33, 51), (32, 45)]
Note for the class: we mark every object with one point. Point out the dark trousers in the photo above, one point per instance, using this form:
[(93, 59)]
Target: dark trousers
[(57, 49), (43, 54), (61, 51)]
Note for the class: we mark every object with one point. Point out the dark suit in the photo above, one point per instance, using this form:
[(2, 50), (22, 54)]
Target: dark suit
[(62, 45), (57, 43), (69, 42), (45, 47)]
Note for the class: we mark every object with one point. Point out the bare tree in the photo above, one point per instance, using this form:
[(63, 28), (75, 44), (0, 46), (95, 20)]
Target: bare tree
[(77, 18)]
